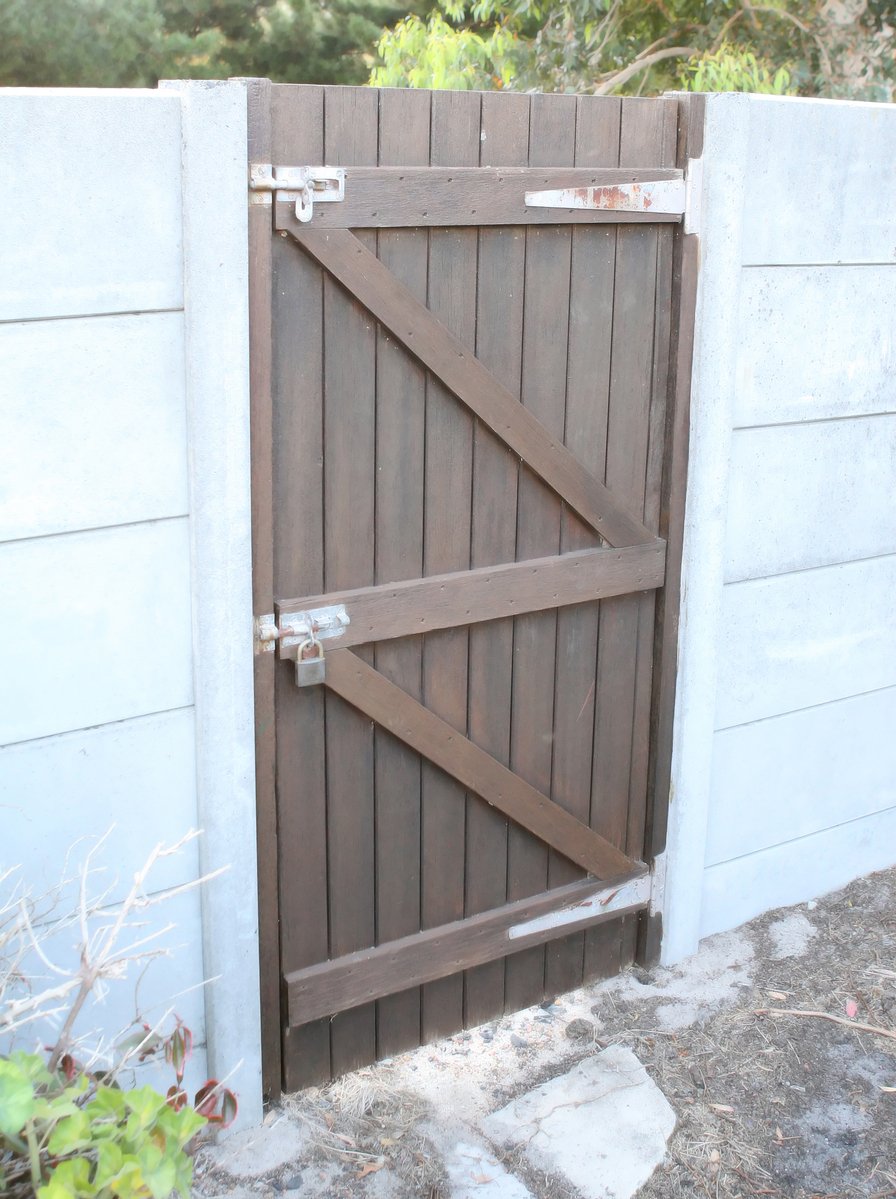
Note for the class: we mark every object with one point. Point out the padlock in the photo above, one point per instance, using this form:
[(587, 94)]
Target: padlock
[(311, 668)]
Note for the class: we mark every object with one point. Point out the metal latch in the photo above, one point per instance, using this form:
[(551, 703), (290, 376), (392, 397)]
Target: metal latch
[(317, 624), (305, 185), (662, 197)]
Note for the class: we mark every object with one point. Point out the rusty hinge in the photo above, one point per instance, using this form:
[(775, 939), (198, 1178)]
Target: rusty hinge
[(296, 627), (661, 197), (305, 185)]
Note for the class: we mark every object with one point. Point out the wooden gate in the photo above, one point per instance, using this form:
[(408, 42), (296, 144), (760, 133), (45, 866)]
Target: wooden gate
[(462, 442)]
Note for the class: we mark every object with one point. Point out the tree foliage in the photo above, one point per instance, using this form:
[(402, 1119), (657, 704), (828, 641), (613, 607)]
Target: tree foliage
[(810, 47), (132, 43)]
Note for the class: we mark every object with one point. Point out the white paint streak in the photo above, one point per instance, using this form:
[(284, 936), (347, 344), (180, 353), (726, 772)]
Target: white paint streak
[(613, 899)]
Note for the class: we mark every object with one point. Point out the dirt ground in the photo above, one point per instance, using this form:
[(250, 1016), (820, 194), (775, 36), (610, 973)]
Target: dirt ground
[(796, 1106)]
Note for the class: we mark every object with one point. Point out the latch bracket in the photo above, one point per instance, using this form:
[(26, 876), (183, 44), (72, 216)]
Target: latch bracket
[(296, 627), (304, 185)]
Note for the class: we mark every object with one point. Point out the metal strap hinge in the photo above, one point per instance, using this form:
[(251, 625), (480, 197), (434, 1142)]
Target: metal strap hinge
[(305, 185), (296, 627), (660, 197)]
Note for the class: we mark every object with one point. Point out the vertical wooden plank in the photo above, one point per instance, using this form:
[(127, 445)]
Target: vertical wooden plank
[(587, 399), (642, 140), (668, 109), (543, 391), (401, 395), (260, 327), (449, 436), (499, 330), (297, 121), (351, 134), (686, 261)]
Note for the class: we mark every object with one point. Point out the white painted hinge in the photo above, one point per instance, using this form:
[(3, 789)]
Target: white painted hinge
[(660, 197), (296, 627), (307, 186)]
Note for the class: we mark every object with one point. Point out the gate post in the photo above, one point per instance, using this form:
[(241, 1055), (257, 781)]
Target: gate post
[(216, 303)]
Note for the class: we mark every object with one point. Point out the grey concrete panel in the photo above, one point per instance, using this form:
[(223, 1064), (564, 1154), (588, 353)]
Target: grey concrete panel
[(806, 638), (819, 182), (810, 495), (94, 627), (91, 214), (96, 431), (779, 779), (815, 342)]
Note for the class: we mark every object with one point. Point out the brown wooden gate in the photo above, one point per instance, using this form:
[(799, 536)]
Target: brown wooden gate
[(461, 435)]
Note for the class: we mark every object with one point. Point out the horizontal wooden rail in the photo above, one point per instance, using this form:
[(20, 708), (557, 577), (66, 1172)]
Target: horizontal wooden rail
[(369, 974), (486, 593), (372, 284), (437, 741), (412, 197)]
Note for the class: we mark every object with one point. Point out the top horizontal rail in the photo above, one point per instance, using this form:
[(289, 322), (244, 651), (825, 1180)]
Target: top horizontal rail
[(411, 197)]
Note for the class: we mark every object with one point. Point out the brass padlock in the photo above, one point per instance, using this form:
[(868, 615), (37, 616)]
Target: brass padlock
[(311, 668)]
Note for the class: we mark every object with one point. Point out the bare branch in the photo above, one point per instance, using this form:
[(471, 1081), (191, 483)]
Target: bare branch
[(642, 64)]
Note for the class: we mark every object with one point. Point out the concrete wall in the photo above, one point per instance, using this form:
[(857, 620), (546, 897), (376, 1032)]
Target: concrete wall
[(785, 770), (124, 527)]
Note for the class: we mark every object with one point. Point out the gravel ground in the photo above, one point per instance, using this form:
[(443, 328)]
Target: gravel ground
[(801, 1106)]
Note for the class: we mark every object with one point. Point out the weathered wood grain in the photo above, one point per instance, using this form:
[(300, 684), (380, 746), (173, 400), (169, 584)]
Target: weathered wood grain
[(437, 197), (441, 952), (484, 594)]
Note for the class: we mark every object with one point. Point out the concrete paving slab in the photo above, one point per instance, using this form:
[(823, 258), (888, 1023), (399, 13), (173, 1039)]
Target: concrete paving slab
[(259, 1151), (475, 1173), (603, 1125)]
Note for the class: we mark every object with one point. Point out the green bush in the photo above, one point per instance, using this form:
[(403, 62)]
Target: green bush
[(62, 1138)]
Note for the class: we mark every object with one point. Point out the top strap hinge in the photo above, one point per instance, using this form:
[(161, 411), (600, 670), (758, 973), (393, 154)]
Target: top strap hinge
[(304, 185)]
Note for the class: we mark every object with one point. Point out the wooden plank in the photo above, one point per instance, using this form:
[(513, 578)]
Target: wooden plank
[(296, 452), (504, 141), (343, 255), (487, 593), (260, 237), (351, 134), (656, 445), (439, 952), (350, 677), (437, 197), (404, 117), (671, 522), (449, 435), (542, 392), (587, 399), (631, 393)]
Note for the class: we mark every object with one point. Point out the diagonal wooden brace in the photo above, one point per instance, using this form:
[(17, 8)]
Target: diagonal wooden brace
[(424, 335), (387, 705)]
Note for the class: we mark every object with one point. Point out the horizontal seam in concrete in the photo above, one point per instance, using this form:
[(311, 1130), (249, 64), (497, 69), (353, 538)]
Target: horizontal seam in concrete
[(802, 570), (828, 828), (93, 728), (84, 316), (125, 524), (825, 703), (791, 266), (814, 420)]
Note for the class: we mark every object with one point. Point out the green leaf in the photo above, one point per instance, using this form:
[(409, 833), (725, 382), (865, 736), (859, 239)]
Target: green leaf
[(145, 1104), (71, 1133), (70, 1178), (16, 1098), (109, 1161)]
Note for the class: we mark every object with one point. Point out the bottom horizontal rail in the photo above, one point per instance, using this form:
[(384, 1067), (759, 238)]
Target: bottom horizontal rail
[(369, 974)]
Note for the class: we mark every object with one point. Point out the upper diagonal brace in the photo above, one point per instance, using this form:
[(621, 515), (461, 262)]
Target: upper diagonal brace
[(374, 286)]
